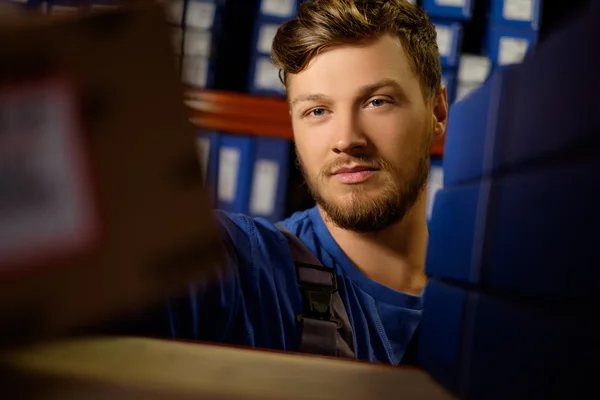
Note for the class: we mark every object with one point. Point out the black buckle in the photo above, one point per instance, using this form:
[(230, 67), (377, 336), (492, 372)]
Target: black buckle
[(318, 298)]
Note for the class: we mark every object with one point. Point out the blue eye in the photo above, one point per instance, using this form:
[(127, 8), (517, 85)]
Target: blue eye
[(317, 112), (378, 102)]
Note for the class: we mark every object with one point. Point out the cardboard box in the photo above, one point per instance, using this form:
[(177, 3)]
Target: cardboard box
[(102, 209), (128, 368)]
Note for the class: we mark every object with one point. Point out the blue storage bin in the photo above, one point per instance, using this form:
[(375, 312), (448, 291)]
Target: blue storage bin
[(449, 9), (520, 14)]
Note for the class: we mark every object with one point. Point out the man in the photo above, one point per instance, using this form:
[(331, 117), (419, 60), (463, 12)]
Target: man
[(363, 83)]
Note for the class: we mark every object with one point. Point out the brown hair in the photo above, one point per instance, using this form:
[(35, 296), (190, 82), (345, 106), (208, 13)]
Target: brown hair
[(324, 23)]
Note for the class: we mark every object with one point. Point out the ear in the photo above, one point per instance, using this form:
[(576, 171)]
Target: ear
[(439, 113)]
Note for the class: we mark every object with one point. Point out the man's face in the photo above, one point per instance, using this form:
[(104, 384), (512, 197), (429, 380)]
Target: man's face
[(363, 132)]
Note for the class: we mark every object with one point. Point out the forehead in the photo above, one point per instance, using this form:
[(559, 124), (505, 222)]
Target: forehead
[(343, 70)]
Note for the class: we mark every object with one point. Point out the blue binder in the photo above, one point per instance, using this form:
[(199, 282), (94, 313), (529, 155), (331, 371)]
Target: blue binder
[(263, 77), (456, 10), (201, 14), (269, 182), (507, 46), (281, 10), (449, 40), (235, 169), (208, 150), (521, 14)]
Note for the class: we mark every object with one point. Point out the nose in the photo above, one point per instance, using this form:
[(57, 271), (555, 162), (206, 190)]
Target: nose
[(348, 136)]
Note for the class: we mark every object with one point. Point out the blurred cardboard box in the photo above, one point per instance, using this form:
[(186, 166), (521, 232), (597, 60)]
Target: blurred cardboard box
[(128, 368), (102, 207)]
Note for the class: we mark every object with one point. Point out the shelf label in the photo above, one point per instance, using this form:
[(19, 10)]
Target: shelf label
[(46, 205), (444, 40), (266, 75), (512, 50), (195, 71), (518, 10), (200, 15), (197, 43), (474, 68), (264, 187), (277, 8), (266, 35), (229, 166), (451, 3)]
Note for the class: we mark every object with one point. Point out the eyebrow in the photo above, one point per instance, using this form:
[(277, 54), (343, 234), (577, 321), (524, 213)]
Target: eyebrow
[(363, 91)]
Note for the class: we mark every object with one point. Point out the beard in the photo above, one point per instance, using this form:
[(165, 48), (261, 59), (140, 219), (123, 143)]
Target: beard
[(362, 212)]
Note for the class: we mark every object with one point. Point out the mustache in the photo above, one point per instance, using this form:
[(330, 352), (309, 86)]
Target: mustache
[(371, 162)]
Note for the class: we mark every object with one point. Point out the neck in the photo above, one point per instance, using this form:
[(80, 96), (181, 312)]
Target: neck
[(394, 257)]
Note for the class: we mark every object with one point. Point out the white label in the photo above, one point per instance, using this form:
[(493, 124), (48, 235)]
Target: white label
[(451, 3), (474, 68), (195, 71), (203, 147), (444, 40), (197, 43), (436, 182), (278, 8), (518, 10), (511, 50), (200, 15), (174, 11), (45, 206), (465, 88), (266, 75), (414, 2), (264, 187), (265, 37), (229, 166)]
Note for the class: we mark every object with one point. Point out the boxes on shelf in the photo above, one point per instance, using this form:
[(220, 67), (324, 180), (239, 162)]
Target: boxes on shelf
[(484, 346), (473, 70), (270, 177), (84, 236), (449, 41), (263, 77), (506, 46), (516, 14), (449, 9), (280, 10)]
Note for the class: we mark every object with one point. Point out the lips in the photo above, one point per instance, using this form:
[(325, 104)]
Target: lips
[(354, 174)]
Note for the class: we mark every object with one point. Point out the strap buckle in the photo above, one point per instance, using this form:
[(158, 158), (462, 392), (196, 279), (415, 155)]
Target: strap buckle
[(318, 296)]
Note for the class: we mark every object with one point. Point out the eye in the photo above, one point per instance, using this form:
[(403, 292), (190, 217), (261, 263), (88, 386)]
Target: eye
[(316, 112), (378, 103)]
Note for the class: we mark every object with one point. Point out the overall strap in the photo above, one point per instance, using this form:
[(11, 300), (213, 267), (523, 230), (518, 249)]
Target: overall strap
[(324, 323)]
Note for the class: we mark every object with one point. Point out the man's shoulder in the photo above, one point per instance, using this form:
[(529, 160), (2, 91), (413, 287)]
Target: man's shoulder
[(300, 223)]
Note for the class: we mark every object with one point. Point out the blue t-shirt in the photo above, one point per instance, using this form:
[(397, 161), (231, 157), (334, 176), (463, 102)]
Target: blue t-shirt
[(255, 303)]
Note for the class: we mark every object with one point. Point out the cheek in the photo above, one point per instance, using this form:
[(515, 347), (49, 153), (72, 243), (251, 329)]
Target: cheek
[(396, 136), (312, 148)]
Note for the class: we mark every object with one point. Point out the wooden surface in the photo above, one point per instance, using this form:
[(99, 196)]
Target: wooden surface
[(156, 369), (245, 114)]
